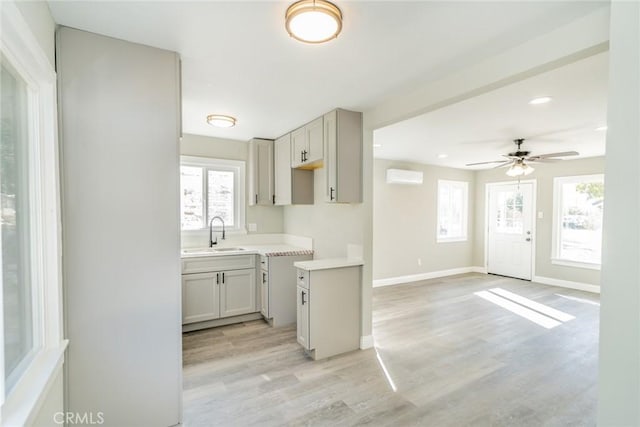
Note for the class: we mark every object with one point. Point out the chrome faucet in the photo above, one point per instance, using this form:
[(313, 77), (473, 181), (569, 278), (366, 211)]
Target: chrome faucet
[(211, 241)]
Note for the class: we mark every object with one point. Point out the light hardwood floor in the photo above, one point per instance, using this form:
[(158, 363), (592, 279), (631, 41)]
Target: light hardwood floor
[(453, 358)]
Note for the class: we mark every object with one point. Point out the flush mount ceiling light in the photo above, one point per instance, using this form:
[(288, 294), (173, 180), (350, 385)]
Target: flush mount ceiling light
[(220, 121), (313, 21), (519, 168), (540, 100)]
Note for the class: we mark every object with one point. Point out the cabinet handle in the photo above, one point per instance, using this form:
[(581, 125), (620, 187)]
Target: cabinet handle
[(331, 193), (302, 297), (264, 278), (256, 199), (301, 156), (217, 278), (222, 277), (274, 199), (304, 156)]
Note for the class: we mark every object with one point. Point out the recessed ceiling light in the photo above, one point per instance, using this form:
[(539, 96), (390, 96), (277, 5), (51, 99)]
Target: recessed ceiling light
[(540, 100), (443, 156), (313, 21), (377, 145), (601, 128), (221, 121)]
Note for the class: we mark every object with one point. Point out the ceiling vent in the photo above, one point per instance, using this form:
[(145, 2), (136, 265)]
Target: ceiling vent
[(402, 176)]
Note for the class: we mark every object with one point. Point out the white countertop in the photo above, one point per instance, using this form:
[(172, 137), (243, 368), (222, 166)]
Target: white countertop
[(324, 264), (264, 250)]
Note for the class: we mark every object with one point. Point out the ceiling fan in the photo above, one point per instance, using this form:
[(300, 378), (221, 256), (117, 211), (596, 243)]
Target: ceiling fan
[(518, 161)]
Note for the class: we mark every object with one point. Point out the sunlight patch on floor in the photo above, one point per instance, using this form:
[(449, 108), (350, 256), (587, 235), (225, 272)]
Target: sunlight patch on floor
[(524, 312)]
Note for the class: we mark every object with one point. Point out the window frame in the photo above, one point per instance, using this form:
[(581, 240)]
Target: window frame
[(465, 211), (21, 50), (556, 233), (239, 169)]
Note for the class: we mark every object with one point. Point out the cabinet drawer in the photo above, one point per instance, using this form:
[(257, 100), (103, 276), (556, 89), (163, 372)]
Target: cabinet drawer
[(217, 263), (264, 263), (302, 278)]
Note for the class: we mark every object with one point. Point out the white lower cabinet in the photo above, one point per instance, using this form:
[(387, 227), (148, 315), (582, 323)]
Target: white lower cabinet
[(303, 318), (264, 293), (328, 310), (278, 286), (219, 293), (237, 292), (199, 297)]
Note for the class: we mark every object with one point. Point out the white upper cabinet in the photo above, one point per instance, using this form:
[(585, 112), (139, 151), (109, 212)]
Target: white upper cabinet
[(307, 145), (261, 172), (292, 186), (343, 156)]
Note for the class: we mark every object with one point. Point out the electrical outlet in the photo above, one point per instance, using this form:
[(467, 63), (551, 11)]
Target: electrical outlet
[(540, 215), (252, 226)]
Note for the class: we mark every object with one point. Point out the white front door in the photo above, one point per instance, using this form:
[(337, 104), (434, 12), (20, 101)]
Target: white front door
[(510, 233)]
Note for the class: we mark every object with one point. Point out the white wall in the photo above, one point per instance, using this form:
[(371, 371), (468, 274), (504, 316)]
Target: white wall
[(268, 219), (619, 377), (119, 111), (39, 19), (544, 174), (404, 223)]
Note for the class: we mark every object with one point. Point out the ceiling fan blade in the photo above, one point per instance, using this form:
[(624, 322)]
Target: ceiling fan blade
[(485, 163), (543, 160), (504, 164), (562, 154)]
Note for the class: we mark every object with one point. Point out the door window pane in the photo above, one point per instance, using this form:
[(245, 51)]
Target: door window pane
[(509, 218), (221, 196), (14, 206)]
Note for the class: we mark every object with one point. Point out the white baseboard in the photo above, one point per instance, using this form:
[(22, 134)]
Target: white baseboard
[(566, 284), (425, 276), (366, 342)]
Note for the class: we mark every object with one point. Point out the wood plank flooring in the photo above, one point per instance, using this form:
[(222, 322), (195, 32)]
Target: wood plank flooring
[(453, 358)]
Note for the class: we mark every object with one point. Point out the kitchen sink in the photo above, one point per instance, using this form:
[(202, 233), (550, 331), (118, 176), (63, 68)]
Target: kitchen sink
[(228, 249)]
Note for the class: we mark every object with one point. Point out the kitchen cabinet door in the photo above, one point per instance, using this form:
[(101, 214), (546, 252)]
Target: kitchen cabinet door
[(315, 141), (200, 297), (264, 294), (237, 292), (282, 172), (298, 146), (303, 299), (261, 171), (343, 156)]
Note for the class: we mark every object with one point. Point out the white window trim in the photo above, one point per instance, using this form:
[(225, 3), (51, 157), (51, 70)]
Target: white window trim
[(465, 213), (240, 202), (20, 47), (556, 224)]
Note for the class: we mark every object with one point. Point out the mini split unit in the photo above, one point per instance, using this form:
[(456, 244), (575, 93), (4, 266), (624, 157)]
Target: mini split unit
[(402, 176)]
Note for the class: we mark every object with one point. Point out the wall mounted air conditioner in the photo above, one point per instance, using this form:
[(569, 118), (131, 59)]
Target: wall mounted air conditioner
[(402, 176)]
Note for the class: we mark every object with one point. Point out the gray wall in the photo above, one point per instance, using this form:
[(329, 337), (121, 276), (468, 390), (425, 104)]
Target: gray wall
[(331, 225), (404, 223), (543, 175), (119, 111), (269, 219)]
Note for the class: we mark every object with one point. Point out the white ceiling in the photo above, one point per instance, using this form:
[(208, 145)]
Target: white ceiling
[(238, 59), (482, 128)]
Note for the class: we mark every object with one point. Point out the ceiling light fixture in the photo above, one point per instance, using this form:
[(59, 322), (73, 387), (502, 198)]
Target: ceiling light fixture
[(519, 168), (220, 121), (540, 100), (313, 21), (601, 128)]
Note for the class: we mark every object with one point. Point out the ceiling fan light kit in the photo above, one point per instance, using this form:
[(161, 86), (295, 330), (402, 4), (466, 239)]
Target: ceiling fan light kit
[(313, 21), (520, 168)]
